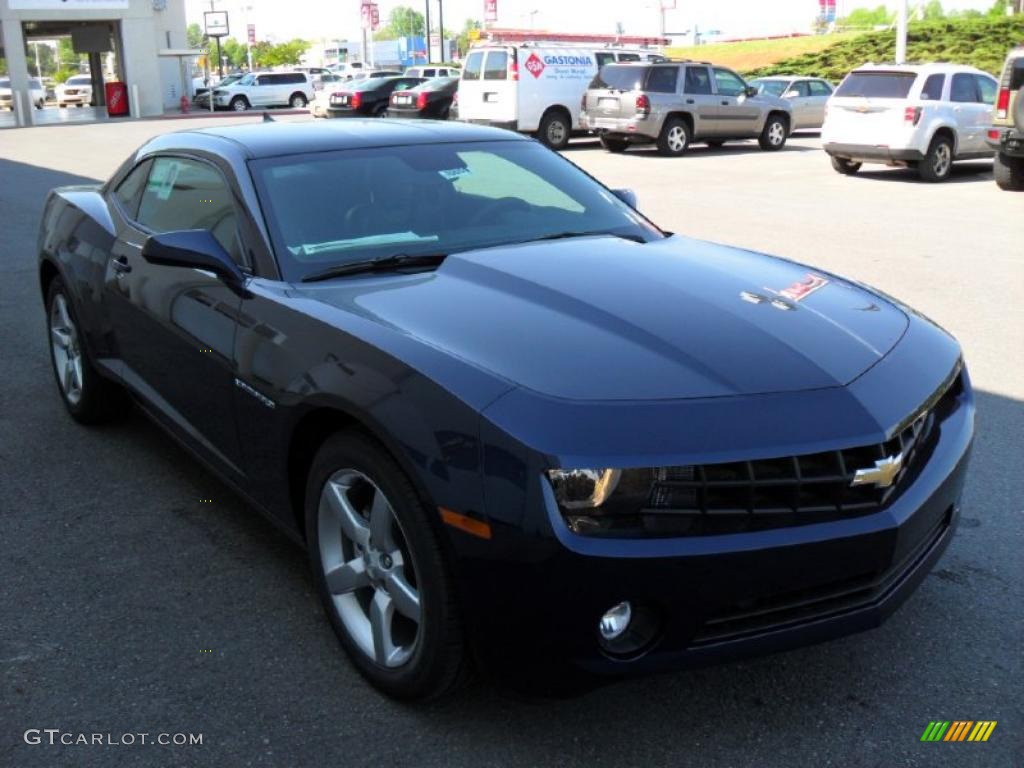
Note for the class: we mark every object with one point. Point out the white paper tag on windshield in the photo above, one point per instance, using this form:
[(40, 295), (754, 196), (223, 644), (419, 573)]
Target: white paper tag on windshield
[(453, 173)]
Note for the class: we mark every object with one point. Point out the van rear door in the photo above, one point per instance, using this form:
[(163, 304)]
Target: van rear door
[(489, 87)]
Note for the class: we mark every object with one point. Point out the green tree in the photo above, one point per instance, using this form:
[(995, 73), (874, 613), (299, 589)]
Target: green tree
[(235, 51), (402, 22), (67, 58), (265, 55), (933, 10), (867, 18), (999, 8), (463, 40), (194, 35)]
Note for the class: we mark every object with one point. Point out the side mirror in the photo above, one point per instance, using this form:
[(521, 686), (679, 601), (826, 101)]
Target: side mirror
[(628, 196), (198, 249), (751, 90)]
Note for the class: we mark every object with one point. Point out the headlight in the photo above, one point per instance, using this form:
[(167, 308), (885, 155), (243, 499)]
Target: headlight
[(583, 488)]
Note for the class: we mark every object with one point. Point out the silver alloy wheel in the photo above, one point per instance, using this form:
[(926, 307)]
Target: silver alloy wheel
[(239, 105), (943, 159), (776, 133), (556, 132), (676, 138), (67, 351), (368, 569), (298, 101)]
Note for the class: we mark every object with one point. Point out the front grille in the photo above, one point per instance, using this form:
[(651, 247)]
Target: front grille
[(801, 606), (743, 496)]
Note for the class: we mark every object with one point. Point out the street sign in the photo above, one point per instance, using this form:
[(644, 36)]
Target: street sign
[(215, 23), (252, 34), (490, 10)]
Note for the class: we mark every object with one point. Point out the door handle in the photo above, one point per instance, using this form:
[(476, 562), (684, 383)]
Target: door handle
[(725, 103), (689, 101), (121, 266)]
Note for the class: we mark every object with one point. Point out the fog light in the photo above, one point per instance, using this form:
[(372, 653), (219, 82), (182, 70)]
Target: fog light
[(616, 620)]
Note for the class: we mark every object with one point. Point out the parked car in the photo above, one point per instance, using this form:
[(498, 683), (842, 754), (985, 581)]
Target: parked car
[(513, 423), (430, 71), (917, 116), (807, 97), (534, 88), (265, 89), (76, 90), (36, 88), (1006, 134), (202, 97), (346, 70), (368, 96), (431, 99), (376, 73), (674, 104)]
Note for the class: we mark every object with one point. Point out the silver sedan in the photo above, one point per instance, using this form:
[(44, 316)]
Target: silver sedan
[(806, 95)]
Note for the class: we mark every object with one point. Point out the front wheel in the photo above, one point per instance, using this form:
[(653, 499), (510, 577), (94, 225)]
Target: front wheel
[(239, 104), (844, 166), (614, 145), (1009, 172), (674, 138), (938, 162), (773, 136), (379, 570), (89, 398), (554, 130)]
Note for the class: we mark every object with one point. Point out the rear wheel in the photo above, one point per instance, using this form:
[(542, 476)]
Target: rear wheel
[(614, 145), (773, 135), (1009, 172), (239, 104), (89, 398), (297, 101), (554, 130), (378, 567), (938, 163), (844, 166), (674, 138)]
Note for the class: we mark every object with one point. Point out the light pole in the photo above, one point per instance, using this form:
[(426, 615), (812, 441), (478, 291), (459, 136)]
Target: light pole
[(35, 47), (901, 31)]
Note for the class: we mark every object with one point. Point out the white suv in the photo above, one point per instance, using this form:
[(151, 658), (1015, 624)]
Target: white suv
[(922, 116), (266, 89)]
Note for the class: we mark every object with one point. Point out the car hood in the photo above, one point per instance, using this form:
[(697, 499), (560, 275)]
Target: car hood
[(600, 318)]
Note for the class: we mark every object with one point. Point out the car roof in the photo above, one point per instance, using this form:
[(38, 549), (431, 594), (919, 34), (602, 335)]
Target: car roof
[(929, 68), (257, 140)]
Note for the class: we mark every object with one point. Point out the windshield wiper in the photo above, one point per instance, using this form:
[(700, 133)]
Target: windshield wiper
[(567, 235), (393, 262)]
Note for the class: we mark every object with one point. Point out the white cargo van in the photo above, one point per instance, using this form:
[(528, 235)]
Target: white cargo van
[(533, 87)]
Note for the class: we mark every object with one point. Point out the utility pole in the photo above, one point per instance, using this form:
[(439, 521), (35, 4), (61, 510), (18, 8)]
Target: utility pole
[(901, 31), (440, 26), (427, 34)]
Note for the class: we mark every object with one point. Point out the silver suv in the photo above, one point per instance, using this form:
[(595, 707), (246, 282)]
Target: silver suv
[(676, 103)]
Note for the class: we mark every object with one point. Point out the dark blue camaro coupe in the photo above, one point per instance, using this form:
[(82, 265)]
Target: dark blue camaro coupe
[(516, 426)]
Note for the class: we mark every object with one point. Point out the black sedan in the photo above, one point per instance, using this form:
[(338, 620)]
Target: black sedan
[(515, 425), (367, 97), (432, 99)]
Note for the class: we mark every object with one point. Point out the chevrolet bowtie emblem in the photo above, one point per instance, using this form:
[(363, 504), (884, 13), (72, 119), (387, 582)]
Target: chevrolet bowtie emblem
[(882, 474)]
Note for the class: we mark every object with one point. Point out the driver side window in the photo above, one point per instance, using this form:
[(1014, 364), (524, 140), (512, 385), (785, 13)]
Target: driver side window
[(728, 83), (187, 194)]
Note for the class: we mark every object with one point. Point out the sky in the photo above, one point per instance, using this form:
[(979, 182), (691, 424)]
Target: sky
[(279, 20)]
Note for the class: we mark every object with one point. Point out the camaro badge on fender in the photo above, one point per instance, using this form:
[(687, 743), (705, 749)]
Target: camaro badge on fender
[(882, 475)]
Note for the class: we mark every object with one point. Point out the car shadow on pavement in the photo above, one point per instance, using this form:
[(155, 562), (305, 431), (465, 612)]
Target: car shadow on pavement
[(961, 173)]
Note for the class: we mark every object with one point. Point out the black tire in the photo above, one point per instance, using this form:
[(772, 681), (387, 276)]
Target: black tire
[(675, 137), (938, 162), (844, 166), (380, 110), (100, 400), (555, 129), (297, 100), (614, 145), (774, 134), (438, 663), (1009, 172), (239, 104)]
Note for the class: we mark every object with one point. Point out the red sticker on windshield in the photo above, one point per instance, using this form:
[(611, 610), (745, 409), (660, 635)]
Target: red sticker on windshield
[(801, 289)]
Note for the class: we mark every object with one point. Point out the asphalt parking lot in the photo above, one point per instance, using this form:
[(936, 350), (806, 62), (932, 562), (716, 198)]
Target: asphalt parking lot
[(128, 605)]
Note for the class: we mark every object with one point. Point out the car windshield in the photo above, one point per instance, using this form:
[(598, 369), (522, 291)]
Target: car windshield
[(229, 79), (79, 80), (620, 78), (246, 80), (4, 82), (332, 208), (877, 85), (771, 87)]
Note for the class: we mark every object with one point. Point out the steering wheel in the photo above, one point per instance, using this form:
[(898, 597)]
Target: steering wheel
[(498, 207)]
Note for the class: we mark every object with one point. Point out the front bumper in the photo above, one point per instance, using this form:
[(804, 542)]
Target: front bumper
[(721, 597), (874, 153), (1010, 141)]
